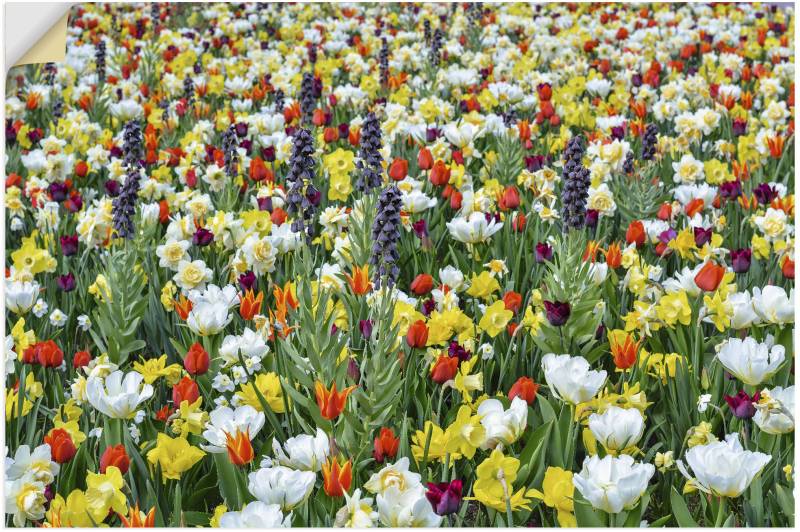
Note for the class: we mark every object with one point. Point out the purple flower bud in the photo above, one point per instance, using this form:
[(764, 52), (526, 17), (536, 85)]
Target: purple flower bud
[(557, 312), (112, 188), (730, 190), (66, 282), (702, 236), (667, 236), (241, 129), (420, 228), (268, 153), (74, 203), (739, 127), (544, 252), (58, 191), (202, 237), (636, 80), (742, 405), (445, 497), (740, 260), (455, 350), (365, 326), (431, 134), (618, 132), (247, 281), (69, 245), (353, 370), (264, 204), (591, 218)]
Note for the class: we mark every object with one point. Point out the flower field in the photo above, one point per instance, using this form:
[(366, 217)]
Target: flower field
[(402, 265)]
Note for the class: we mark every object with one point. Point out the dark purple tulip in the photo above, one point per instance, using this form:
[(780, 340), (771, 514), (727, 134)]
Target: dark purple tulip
[(241, 129), (618, 132), (202, 237), (58, 191), (34, 135), (544, 252), (445, 497), (636, 80), (344, 130), (313, 195), (11, 133), (69, 245), (66, 282), (456, 350), (591, 218), (600, 333), (247, 281), (557, 312), (115, 152), (49, 493), (730, 190), (765, 193), (740, 260), (268, 153), (353, 370), (420, 228), (264, 204), (739, 127), (667, 236), (431, 134), (535, 162), (428, 306), (74, 203), (112, 188), (366, 327), (702, 236), (742, 404)]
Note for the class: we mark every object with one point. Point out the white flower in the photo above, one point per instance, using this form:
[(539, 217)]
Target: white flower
[(394, 475), (415, 202), (775, 410), (452, 277), (723, 468), (209, 318), (688, 170), (473, 229), (487, 351), (40, 308), (25, 499), (192, 275), (260, 254), (256, 515), (20, 296), (303, 452), (116, 397), (37, 464), (224, 420), (773, 224), (503, 426), (172, 252), (702, 402), (281, 485), (750, 361), (409, 508), (84, 322), (773, 305), (617, 428), (356, 513), (613, 483), (598, 87), (570, 378), (744, 315), (58, 318)]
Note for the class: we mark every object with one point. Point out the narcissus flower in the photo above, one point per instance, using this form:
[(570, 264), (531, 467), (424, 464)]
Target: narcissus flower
[(330, 401), (494, 486), (175, 456), (337, 477), (104, 492), (557, 492)]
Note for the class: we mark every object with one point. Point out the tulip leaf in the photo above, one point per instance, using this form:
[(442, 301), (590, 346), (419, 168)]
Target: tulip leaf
[(585, 515), (227, 480), (680, 510)]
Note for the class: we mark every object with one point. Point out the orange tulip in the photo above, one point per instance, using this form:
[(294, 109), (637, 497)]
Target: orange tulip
[(417, 335), (183, 307), (425, 159), (444, 369), (623, 348), (240, 450), (359, 281), (398, 170), (590, 253), (331, 402), (440, 174), (709, 277), (422, 284), (385, 445), (635, 233), (775, 146), (62, 449), (525, 389), (138, 519), (613, 255), (512, 300), (337, 478), (250, 305), (787, 268), (694, 206)]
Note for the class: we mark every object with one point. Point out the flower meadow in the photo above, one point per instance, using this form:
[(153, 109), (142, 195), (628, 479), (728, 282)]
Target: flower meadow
[(402, 265)]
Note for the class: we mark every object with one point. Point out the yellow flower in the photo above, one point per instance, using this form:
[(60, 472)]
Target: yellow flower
[(533, 320), (151, 369), (465, 434), (719, 310), (664, 461), (71, 512), (494, 486), (495, 319), (760, 247), (100, 289), (659, 365), (466, 383), (269, 386), (219, 511), (104, 492), (174, 455), (716, 172), (483, 285), (436, 446), (557, 491), (701, 434), (339, 162), (684, 243), (168, 296), (674, 308), (192, 419), (32, 259), (404, 315), (22, 338), (340, 187), (259, 221)]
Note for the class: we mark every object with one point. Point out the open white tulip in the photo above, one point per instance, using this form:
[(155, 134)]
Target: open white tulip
[(750, 361), (617, 428), (281, 485), (116, 397), (303, 452), (503, 426), (775, 412), (723, 468), (613, 483), (256, 515), (224, 420), (571, 379)]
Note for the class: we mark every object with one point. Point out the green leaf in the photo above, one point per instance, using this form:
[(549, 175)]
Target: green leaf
[(585, 515), (680, 510), (227, 480)]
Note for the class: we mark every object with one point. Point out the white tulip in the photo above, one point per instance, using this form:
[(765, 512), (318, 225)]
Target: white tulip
[(116, 397), (281, 485), (207, 319), (394, 475), (20, 296), (409, 508), (750, 361), (773, 305), (503, 426), (744, 315), (473, 229), (613, 483), (617, 428), (723, 468), (256, 515), (570, 378), (303, 452), (775, 411), (224, 420)]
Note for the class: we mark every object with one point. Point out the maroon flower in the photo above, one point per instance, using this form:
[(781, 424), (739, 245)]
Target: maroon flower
[(742, 404), (202, 237), (740, 260), (543, 252), (557, 312), (445, 497)]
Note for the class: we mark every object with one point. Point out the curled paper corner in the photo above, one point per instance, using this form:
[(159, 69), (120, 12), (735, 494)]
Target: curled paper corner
[(35, 33)]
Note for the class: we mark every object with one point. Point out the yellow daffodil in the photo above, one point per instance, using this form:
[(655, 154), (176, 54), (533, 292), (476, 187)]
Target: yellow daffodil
[(175, 456)]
